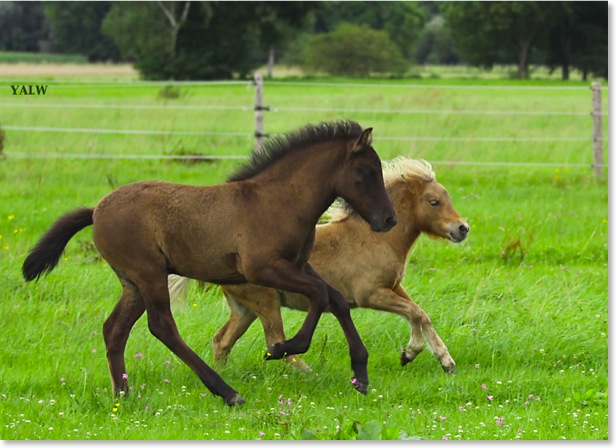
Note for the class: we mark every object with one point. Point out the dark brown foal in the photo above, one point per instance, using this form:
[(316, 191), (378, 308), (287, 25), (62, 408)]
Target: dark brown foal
[(259, 227)]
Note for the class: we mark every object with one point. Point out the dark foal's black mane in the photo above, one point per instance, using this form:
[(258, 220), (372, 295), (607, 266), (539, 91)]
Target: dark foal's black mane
[(282, 145)]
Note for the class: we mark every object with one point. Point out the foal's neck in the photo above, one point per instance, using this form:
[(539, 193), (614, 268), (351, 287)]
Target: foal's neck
[(404, 234), (304, 181)]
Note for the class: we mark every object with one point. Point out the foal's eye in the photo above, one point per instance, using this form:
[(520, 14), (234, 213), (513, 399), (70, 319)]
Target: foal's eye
[(435, 203), (366, 173)]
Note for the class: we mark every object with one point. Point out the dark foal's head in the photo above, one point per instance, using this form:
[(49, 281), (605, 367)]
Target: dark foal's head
[(361, 184)]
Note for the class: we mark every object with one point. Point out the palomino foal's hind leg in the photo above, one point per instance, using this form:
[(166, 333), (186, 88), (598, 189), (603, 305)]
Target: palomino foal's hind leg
[(284, 275), (281, 274), (155, 293), (116, 331), (251, 301), (239, 321)]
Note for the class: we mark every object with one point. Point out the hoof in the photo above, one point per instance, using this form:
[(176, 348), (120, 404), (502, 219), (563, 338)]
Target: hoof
[(405, 358), (360, 386), (450, 369), (297, 364), (236, 400), (275, 352)]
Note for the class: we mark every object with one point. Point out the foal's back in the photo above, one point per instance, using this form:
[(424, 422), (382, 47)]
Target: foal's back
[(171, 226)]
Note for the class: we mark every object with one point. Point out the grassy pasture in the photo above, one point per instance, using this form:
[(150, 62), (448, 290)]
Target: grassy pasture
[(522, 304)]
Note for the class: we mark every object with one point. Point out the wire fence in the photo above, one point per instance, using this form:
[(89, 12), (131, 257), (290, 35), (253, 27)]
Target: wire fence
[(259, 109), (250, 108)]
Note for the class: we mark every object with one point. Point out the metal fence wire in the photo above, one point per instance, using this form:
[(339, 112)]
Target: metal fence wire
[(260, 109)]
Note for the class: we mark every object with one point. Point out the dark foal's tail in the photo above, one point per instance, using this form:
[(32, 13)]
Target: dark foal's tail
[(44, 256)]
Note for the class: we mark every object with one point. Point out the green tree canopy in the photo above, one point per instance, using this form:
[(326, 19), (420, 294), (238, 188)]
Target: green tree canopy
[(23, 27), (212, 40), (485, 33), (578, 37), (354, 50), (76, 29), (401, 20)]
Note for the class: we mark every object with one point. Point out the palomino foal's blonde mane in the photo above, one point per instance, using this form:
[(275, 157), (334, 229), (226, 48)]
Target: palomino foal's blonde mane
[(395, 170)]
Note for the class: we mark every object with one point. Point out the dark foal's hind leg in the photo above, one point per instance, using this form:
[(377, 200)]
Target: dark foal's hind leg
[(162, 325), (116, 330)]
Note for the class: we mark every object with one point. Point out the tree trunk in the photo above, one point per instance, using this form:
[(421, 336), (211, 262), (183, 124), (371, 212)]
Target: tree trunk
[(175, 24), (566, 49), (565, 71), (270, 61), (523, 60)]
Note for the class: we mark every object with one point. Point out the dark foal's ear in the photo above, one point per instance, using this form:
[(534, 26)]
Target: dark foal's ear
[(364, 140)]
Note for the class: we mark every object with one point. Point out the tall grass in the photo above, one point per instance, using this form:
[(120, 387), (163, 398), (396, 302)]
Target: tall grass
[(522, 304)]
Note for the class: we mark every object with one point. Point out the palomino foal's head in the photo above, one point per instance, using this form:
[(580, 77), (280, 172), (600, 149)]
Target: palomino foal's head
[(436, 215), (362, 185), (433, 211)]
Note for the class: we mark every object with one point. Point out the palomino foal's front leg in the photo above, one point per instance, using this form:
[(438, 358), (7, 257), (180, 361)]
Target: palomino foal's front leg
[(435, 343), (399, 302)]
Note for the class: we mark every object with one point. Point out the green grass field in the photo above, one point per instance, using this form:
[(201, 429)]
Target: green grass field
[(522, 304)]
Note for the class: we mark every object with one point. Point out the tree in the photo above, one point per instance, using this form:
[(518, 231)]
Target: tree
[(206, 40), (279, 22), (401, 20), (354, 50), (76, 29), (23, 27), (435, 45), (196, 47), (578, 38), (174, 22), (485, 33)]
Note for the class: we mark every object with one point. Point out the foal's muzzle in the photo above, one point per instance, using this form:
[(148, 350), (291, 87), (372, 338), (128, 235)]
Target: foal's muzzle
[(384, 224), (459, 232)]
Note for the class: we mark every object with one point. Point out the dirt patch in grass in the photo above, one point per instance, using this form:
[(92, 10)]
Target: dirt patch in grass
[(69, 71)]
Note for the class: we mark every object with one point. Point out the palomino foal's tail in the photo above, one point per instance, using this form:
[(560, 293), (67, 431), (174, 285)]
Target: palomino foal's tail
[(178, 286), (44, 256)]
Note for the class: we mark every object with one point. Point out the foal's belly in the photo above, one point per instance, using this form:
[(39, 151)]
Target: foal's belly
[(212, 268)]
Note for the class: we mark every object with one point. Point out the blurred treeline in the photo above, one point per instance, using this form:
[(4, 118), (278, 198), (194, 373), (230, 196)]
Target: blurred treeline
[(224, 39)]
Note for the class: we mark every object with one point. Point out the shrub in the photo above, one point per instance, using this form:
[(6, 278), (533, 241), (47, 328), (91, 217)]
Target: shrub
[(353, 50)]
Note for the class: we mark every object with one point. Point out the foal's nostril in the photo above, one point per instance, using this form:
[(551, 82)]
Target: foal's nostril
[(463, 229), (391, 221)]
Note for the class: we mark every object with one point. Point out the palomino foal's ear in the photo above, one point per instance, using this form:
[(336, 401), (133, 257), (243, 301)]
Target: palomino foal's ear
[(365, 139)]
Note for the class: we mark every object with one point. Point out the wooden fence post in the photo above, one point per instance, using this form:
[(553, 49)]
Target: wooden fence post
[(597, 128), (259, 108)]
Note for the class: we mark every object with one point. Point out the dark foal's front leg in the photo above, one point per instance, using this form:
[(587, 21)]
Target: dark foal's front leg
[(357, 350), (284, 275)]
